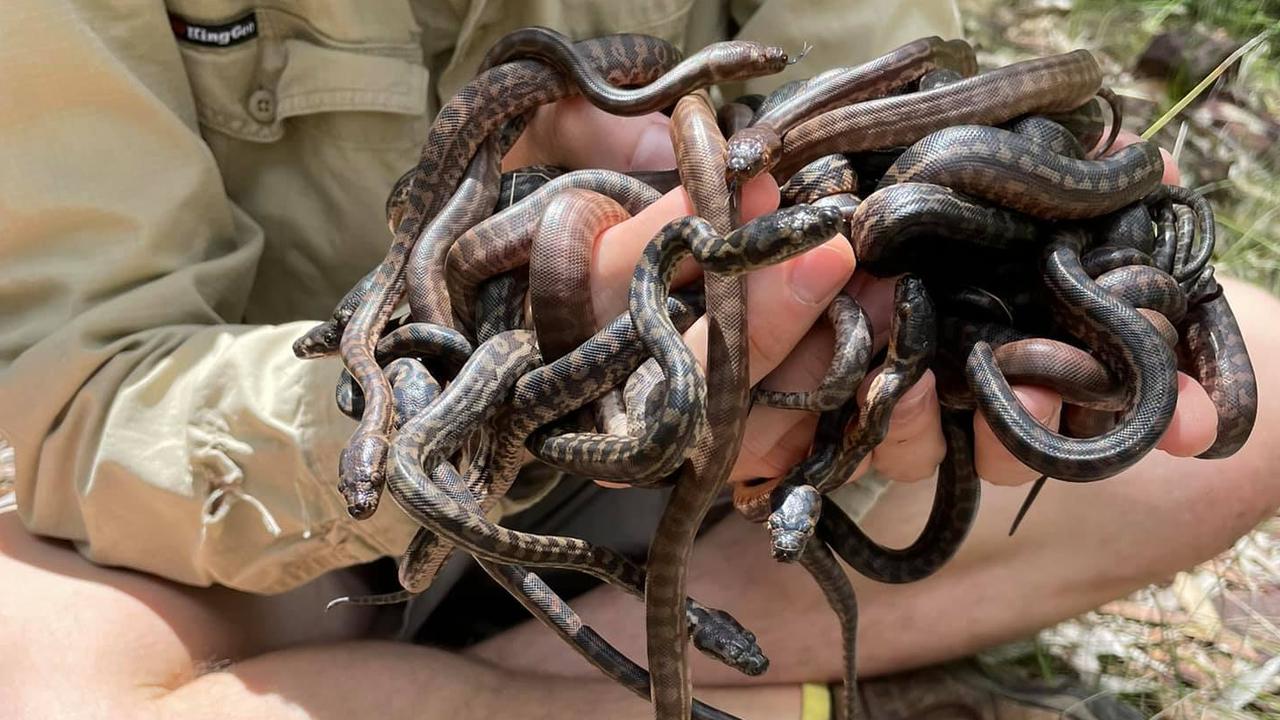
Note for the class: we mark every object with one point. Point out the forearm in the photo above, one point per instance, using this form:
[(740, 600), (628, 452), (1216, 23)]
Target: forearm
[(202, 454), (149, 422)]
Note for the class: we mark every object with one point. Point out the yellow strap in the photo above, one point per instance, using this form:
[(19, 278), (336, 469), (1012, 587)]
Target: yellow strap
[(815, 702)]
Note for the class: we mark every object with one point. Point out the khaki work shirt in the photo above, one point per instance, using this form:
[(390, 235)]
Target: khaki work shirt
[(177, 205)]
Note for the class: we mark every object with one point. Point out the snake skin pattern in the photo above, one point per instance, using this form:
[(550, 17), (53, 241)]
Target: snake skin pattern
[(1055, 83), (1028, 253), (757, 148)]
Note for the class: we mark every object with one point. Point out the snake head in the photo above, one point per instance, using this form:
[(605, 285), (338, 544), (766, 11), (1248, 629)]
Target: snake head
[(764, 60), (775, 58), (769, 239), (788, 544), (718, 635), (826, 221), (362, 472), (793, 521), (914, 324), (751, 151), (743, 59), (321, 340)]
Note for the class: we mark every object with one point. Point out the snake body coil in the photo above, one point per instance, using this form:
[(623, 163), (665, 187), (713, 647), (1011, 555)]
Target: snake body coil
[(1027, 254)]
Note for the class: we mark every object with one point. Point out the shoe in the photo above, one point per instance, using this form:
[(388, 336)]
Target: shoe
[(963, 691)]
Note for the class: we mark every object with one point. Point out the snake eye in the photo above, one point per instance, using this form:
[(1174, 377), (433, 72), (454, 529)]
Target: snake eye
[(776, 57), (830, 217)]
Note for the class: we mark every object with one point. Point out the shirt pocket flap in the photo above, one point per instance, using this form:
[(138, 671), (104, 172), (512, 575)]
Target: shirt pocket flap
[(249, 91), (320, 79)]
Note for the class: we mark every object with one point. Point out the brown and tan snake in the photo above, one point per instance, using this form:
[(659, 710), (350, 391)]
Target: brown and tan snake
[(459, 129), (992, 190)]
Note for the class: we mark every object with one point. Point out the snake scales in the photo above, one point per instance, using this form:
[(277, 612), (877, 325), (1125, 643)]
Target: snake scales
[(1022, 258)]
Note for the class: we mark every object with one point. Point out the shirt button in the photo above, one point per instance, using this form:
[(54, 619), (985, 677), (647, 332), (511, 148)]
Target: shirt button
[(262, 106)]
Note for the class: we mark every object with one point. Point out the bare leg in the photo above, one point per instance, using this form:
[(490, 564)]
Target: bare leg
[(1084, 545), (409, 681), (80, 640)]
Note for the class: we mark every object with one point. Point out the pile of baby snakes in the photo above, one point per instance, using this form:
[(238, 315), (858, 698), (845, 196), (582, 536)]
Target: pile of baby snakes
[(1022, 255)]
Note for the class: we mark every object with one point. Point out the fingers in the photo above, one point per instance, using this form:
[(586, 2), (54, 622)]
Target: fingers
[(994, 463), (913, 447), (911, 450), (783, 302), (619, 247), (774, 440), (1195, 421), (875, 295), (574, 134), (777, 438), (1171, 174)]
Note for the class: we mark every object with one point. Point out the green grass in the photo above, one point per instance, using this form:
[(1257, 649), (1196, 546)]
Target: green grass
[(1195, 92), (1239, 174), (1239, 19), (1240, 181)]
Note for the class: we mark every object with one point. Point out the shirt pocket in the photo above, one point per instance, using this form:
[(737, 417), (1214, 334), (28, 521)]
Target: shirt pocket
[(310, 122), (354, 79)]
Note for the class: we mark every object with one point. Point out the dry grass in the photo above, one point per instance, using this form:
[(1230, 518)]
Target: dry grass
[(1206, 645)]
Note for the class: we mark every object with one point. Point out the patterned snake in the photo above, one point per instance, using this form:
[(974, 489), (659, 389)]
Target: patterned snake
[(435, 205), (1053, 84), (1124, 340), (628, 402), (541, 601), (756, 148)]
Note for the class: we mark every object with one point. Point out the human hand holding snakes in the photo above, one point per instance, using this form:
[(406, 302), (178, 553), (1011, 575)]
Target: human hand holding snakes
[(789, 343)]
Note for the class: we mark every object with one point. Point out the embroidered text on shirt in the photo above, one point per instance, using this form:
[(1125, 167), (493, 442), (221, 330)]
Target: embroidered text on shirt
[(220, 35)]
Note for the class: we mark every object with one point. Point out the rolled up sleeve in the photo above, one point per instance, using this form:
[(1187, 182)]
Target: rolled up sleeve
[(146, 424)]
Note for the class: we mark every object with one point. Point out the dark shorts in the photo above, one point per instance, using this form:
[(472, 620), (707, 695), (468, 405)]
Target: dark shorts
[(464, 605)]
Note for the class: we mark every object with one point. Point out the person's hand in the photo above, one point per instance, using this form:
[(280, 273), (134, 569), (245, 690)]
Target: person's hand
[(1192, 430), (784, 304), (1126, 138), (784, 301)]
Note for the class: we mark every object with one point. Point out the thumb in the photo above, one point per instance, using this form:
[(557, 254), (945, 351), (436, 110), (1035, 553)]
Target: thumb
[(574, 134)]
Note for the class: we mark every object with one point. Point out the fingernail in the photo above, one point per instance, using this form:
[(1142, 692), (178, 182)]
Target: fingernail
[(653, 150), (817, 275)]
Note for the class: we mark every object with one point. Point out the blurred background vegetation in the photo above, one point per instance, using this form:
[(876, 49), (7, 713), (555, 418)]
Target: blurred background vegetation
[(1206, 643), (1153, 52)]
